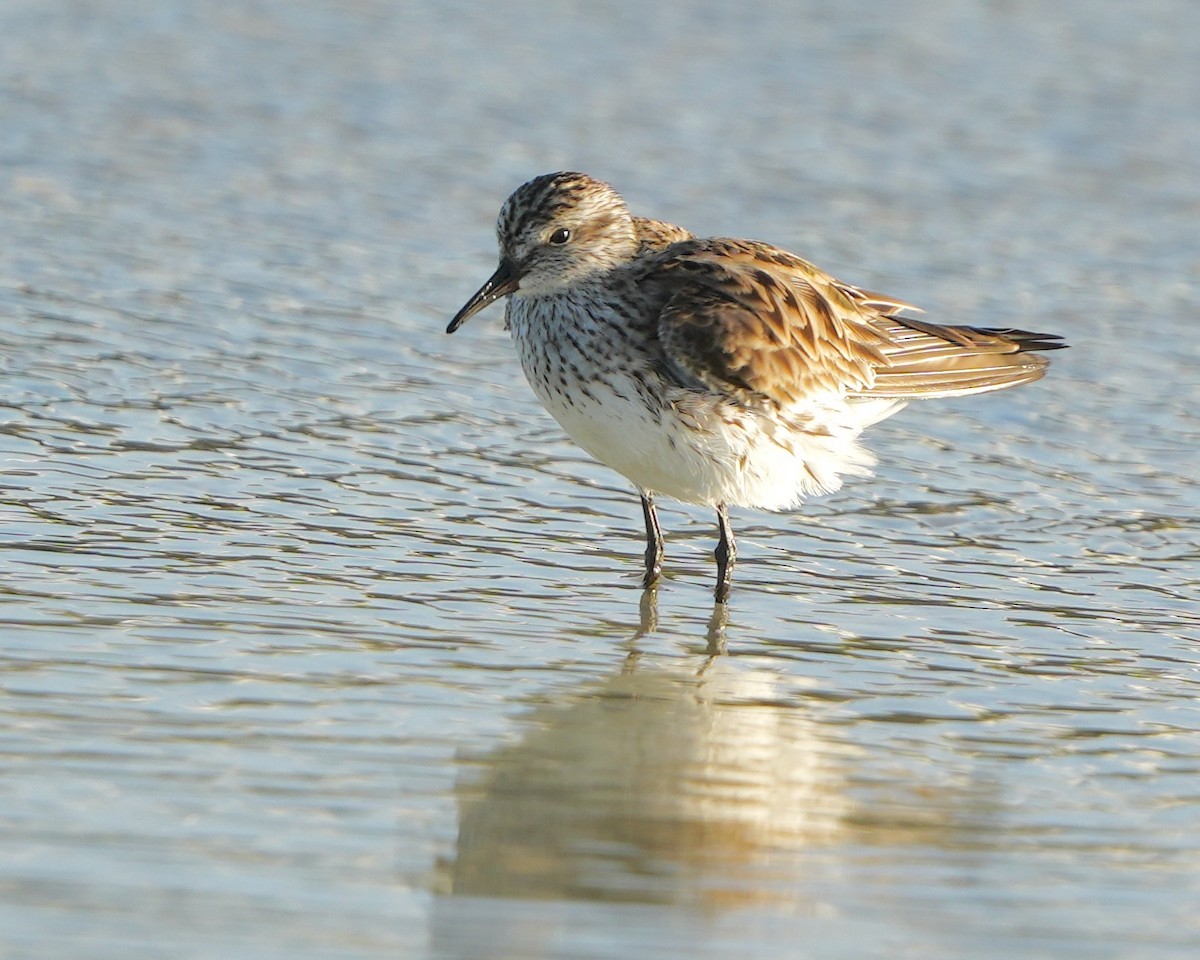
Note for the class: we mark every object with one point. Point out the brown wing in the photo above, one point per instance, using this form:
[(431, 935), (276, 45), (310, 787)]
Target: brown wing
[(880, 303), (748, 319), (754, 321)]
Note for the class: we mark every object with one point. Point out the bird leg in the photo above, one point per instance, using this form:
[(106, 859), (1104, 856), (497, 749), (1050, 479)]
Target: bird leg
[(654, 540), (726, 554)]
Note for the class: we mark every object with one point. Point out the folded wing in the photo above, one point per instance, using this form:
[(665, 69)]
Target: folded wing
[(760, 324)]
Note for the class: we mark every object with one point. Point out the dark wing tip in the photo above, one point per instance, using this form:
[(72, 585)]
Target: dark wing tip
[(1026, 339)]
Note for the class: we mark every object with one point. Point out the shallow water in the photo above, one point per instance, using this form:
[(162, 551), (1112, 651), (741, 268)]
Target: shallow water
[(319, 640)]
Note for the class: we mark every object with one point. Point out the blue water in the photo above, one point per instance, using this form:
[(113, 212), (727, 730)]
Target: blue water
[(319, 639)]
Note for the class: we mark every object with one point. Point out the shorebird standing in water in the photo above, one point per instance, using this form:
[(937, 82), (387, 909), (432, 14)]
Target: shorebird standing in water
[(715, 371)]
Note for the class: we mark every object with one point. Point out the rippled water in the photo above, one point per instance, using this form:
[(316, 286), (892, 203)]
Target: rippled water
[(319, 640)]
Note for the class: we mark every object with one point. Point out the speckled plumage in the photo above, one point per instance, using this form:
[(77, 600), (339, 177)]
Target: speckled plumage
[(715, 371)]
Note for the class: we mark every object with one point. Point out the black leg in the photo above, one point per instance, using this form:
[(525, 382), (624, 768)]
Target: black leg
[(654, 540), (726, 554)]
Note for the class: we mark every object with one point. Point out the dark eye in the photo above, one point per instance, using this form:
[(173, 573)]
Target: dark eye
[(560, 236)]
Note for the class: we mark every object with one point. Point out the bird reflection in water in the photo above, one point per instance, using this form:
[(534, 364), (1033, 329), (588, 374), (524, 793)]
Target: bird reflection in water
[(703, 782), (671, 781)]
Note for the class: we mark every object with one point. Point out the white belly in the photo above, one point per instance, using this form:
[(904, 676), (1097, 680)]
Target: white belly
[(692, 445)]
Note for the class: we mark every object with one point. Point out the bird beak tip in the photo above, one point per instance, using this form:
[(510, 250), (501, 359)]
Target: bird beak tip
[(500, 284)]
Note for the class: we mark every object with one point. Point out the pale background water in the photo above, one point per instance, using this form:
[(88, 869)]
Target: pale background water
[(319, 640)]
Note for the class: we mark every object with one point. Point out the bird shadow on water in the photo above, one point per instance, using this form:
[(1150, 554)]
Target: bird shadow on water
[(703, 781)]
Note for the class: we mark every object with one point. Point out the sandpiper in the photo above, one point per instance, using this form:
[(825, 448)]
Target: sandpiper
[(715, 371)]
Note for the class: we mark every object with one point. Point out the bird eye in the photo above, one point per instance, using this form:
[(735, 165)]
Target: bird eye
[(560, 236)]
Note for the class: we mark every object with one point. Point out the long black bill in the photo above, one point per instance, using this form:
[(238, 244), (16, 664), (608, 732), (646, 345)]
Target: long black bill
[(500, 284)]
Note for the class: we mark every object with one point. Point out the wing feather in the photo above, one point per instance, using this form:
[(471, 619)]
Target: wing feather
[(757, 323), (929, 360), (748, 319)]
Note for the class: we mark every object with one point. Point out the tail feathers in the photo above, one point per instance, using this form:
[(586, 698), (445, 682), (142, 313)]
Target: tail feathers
[(929, 360)]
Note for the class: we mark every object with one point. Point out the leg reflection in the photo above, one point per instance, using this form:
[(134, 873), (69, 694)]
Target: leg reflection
[(647, 624), (715, 636), (715, 641), (647, 612)]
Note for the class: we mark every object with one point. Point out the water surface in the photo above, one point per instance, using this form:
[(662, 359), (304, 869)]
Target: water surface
[(320, 640)]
